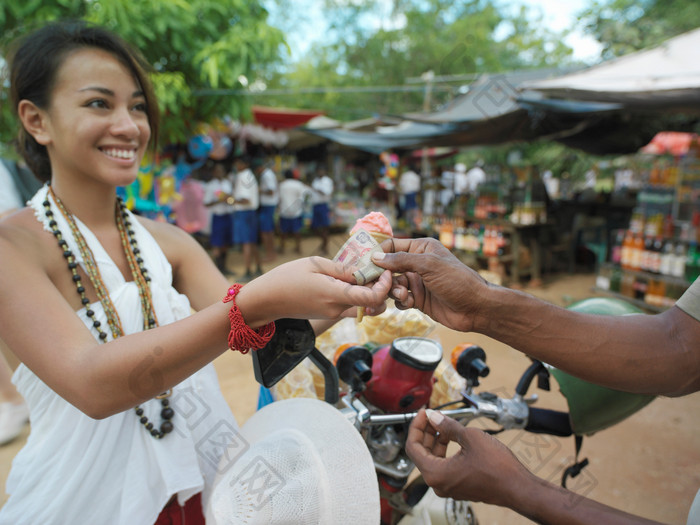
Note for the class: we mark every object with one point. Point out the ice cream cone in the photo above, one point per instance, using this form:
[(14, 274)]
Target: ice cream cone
[(379, 237), (374, 223)]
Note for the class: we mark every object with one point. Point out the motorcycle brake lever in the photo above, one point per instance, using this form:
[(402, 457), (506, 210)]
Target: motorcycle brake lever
[(531, 400)]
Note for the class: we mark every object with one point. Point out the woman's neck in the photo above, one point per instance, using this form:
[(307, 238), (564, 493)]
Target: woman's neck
[(92, 204)]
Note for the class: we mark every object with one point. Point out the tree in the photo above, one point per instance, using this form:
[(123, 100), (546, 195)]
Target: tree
[(383, 52), (624, 26), (194, 46)]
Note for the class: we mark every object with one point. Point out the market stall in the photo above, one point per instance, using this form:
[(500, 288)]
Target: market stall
[(654, 258)]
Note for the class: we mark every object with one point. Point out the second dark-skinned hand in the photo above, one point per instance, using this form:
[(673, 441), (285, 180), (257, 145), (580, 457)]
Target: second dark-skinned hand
[(433, 280)]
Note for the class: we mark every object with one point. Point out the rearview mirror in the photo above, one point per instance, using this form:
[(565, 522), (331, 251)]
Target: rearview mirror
[(294, 340)]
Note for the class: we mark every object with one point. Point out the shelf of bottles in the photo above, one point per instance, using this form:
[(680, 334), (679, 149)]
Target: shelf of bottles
[(656, 258), (480, 238), (484, 224)]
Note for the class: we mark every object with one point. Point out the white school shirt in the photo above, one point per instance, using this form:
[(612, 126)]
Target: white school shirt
[(268, 182), (245, 187), (211, 194), (409, 182), (323, 190), (293, 193), (75, 469)]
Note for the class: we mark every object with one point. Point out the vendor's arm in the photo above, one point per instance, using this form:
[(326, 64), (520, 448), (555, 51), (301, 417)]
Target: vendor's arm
[(41, 327), (485, 470), (657, 354)]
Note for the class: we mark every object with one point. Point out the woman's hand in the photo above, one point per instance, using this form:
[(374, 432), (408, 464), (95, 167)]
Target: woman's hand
[(433, 280), (309, 288)]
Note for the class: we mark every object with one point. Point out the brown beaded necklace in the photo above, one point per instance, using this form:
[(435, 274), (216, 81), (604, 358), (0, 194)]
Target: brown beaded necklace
[(141, 278)]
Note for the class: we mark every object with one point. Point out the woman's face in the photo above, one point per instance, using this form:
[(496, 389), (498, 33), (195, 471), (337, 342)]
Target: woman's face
[(97, 125)]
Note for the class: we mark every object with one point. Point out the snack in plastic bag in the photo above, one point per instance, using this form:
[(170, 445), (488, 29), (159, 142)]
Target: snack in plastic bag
[(394, 323), (297, 383), (448, 385)]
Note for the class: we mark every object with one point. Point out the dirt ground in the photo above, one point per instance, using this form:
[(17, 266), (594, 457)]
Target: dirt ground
[(648, 464)]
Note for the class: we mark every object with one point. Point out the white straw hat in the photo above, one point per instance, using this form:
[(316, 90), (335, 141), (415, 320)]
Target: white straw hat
[(305, 464)]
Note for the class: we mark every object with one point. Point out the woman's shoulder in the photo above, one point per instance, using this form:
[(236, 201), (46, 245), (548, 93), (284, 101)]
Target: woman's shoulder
[(163, 231), (172, 240), (21, 228), (23, 238)]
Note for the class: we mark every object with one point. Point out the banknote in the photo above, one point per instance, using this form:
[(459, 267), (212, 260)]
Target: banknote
[(357, 252)]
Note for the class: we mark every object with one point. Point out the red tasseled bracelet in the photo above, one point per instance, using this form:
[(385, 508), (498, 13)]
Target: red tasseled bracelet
[(242, 337)]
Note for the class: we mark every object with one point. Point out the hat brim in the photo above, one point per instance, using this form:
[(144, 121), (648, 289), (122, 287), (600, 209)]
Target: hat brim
[(339, 456)]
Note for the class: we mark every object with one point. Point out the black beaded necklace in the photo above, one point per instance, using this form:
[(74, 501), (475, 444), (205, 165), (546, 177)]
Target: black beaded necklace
[(140, 275)]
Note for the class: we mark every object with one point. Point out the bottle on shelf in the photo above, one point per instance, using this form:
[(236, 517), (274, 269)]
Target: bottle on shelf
[(692, 262), (488, 241), (637, 252), (627, 284), (501, 241), (679, 260), (447, 234), (616, 252), (669, 227), (603, 280), (473, 239), (626, 252), (650, 295), (640, 287), (667, 258), (656, 292), (616, 280), (637, 221), (647, 254), (656, 254), (460, 237), (480, 239)]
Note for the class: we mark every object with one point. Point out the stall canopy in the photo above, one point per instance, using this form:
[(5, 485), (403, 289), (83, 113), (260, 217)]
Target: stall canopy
[(486, 114), (282, 118), (614, 107), (670, 143), (667, 76)]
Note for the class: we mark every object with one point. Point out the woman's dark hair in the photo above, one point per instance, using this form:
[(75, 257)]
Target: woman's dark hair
[(35, 60)]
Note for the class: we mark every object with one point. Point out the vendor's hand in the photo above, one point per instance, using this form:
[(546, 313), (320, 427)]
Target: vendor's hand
[(309, 288), (433, 280), (482, 470)]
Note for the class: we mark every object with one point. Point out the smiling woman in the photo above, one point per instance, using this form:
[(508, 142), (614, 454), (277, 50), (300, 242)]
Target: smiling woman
[(127, 419), (96, 135), (33, 85)]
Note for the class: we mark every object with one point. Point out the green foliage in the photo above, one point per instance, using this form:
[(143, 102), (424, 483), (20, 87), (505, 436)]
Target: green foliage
[(624, 26), (193, 45), (545, 155), (387, 59)]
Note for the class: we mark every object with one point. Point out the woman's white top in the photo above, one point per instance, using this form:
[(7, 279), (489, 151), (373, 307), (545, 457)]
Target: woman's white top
[(75, 469)]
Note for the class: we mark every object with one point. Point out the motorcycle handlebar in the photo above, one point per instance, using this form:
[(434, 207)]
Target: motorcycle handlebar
[(393, 419), (535, 368), (552, 422), (539, 420)]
